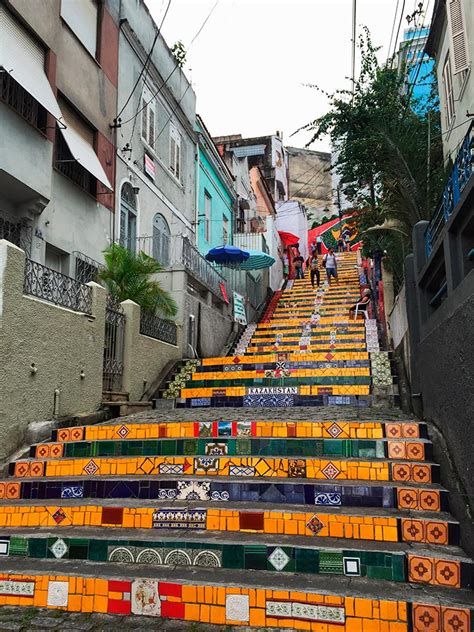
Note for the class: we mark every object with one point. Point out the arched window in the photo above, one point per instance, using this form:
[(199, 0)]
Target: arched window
[(161, 240), (128, 217)]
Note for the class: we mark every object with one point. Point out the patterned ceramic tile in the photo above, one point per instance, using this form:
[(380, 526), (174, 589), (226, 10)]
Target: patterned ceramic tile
[(179, 519), (237, 608), (305, 611), (314, 525), (351, 566), (58, 593), (278, 559), (193, 490), (330, 471), (145, 597), (327, 498), (72, 491), (59, 548)]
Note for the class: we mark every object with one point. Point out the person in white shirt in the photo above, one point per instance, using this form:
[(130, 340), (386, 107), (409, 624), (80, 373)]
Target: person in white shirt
[(330, 263)]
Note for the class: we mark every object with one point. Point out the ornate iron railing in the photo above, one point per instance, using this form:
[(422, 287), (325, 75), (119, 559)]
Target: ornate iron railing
[(158, 328), (19, 232), (115, 323), (86, 269), (56, 288), (199, 267), (461, 173)]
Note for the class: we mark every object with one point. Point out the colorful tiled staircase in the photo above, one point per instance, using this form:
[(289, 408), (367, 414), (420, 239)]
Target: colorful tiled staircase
[(308, 525)]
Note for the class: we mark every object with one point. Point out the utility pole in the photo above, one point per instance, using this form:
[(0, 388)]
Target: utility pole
[(354, 20), (428, 167)]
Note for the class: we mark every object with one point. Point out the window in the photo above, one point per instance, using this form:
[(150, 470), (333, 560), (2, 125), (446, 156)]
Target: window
[(82, 19), (64, 160), (148, 117), (128, 217), (458, 36), (225, 229), (207, 216), (56, 259), (448, 92), (161, 240), (24, 58), (175, 152)]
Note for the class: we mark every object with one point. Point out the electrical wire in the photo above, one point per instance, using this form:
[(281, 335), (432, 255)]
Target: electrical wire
[(147, 103), (393, 27), (398, 32), (144, 67), (421, 61)]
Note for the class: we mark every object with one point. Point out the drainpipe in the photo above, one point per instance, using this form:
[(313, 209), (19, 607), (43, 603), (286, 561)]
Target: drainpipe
[(196, 196)]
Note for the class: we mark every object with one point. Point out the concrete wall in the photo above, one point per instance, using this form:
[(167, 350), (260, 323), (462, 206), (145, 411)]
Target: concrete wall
[(214, 328), (144, 357), (59, 342)]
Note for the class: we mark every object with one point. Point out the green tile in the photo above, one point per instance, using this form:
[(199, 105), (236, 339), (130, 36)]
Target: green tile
[(233, 556), (37, 547), (331, 562), (18, 546), (306, 561)]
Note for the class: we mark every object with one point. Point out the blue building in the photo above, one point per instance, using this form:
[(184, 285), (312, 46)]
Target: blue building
[(216, 196), (418, 67)]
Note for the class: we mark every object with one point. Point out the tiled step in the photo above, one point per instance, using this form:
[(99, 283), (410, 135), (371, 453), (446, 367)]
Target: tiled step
[(339, 469), (381, 525), (355, 604), (444, 566), (406, 496), (221, 428), (419, 450)]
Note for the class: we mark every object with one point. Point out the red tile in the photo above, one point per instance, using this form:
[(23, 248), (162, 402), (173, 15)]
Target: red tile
[(112, 515), (426, 618), (118, 606), (169, 590), (456, 619), (117, 586), (172, 609), (251, 520), (162, 431)]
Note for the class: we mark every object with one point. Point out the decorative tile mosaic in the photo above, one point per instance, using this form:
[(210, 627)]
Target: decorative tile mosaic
[(305, 611), (20, 587), (179, 519), (327, 498), (315, 525), (351, 566), (74, 491), (193, 490), (268, 401)]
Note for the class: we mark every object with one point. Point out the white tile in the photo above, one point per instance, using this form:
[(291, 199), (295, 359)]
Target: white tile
[(237, 608), (58, 593)]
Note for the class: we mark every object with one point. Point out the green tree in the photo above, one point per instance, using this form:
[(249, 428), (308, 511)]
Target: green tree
[(380, 136), (127, 276), (179, 53)]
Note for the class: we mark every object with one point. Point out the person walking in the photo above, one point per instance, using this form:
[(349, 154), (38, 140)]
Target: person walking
[(298, 263), (330, 263), (340, 244), (319, 244), (314, 269)]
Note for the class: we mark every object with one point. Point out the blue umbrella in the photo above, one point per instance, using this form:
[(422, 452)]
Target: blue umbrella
[(226, 254)]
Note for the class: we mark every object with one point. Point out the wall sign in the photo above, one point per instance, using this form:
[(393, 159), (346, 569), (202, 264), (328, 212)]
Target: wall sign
[(149, 167), (239, 309), (272, 390)]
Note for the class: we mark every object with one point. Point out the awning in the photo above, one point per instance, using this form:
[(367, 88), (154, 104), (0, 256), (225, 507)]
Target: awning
[(288, 239), (23, 60), (85, 155)]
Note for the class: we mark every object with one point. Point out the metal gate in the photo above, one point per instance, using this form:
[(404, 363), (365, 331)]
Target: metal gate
[(113, 346)]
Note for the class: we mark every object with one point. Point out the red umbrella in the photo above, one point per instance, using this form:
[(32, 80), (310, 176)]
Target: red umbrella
[(288, 239)]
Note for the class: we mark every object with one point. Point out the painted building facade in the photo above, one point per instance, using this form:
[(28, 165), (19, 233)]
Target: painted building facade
[(57, 102), (216, 196), (418, 67)]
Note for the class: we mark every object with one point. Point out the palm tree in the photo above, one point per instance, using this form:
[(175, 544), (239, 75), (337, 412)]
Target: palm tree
[(127, 276)]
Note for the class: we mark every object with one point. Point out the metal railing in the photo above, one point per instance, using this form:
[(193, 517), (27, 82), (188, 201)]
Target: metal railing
[(251, 241), (460, 174), (199, 267), (18, 232), (14, 95), (86, 269), (56, 288), (158, 328), (114, 340)]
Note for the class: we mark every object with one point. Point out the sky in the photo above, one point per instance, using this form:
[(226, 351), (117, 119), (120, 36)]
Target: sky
[(252, 59)]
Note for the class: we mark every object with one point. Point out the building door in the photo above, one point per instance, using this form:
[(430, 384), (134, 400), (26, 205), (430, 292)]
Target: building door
[(161, 240)]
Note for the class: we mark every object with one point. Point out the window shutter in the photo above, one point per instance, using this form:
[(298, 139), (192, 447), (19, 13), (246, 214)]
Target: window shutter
[(81, 17), (144, 118), (151, 125), (458, 36), (10, 30), (178, 161)]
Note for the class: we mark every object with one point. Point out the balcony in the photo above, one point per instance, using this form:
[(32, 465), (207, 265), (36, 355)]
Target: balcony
[(251, 241), (458, 179)]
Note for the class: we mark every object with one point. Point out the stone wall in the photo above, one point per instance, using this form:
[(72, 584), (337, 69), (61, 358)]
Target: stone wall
[(59, 343), (144, 357)]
